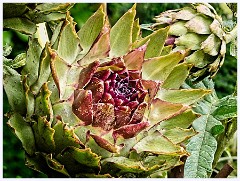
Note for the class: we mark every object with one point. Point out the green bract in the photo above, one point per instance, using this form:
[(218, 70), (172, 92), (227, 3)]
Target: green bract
[(101, 102), (200, 30)]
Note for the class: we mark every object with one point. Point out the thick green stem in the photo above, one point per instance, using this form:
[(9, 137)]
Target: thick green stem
[(231, 35), (224, 139)]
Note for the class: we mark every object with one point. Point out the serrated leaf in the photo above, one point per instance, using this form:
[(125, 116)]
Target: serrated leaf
[(43, 134), (178, 75), (23, 131), (19, 61), (7, 49), (22, 25), (91, 29), (158, 144), (226, 108), (43, 106), (55, 165), (14, 89), (78, 160), (159, 68), (121, 34), (183, 96), (202, 147), (64, 137)]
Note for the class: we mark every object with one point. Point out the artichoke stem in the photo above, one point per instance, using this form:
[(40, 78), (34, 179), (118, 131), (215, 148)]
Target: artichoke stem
[(231, 35)]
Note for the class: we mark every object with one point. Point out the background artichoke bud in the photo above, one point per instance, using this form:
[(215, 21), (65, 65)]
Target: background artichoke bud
[(100, 103), (199, 29)]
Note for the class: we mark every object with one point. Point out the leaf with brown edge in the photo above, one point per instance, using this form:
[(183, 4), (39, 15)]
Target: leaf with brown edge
[(134, 59), (87, 73), (59, 70), (43, 134), (91, 30), (69, 37), (129, 131), (105, 144), (100, 49), (161, 110), (64, 137)]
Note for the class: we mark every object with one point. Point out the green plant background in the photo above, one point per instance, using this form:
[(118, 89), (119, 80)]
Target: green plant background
[(13, 154)]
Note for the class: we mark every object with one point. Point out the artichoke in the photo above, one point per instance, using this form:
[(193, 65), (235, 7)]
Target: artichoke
[(101, 102), (201, 30)]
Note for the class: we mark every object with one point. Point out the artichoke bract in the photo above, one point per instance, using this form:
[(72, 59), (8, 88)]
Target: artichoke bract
[(101, 102), (200, 30)]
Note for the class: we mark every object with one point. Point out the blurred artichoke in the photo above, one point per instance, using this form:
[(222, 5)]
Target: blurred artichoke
[(102, 102), (199, 29)]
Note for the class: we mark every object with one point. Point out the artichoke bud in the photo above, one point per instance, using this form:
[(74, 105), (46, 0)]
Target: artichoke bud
[(100, 103), (200, 29)]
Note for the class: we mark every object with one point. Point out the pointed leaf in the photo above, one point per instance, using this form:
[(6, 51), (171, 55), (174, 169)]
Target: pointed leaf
[(155, 44), (23, 131), (159, 68), (121, 34), (178, 135), (14, 89), (183, 120), (91, 30), (136, 30), (166, 50), (164, 110), (178, 75), (158, 144), (100, 49), (68, 37), (183, 96), (22, 25), (186, 13), (33, 60), (59, 70), (44, 69), (134, 59), (198, 59)]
